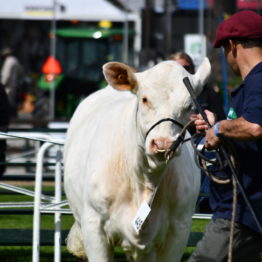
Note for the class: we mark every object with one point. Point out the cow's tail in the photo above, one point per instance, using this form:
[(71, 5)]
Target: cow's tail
[(74, 241)]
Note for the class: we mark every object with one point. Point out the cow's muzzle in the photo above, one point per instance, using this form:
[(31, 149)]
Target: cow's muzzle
[(169, 151)]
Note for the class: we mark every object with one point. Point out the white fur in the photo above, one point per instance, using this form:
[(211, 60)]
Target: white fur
[(110, 169)]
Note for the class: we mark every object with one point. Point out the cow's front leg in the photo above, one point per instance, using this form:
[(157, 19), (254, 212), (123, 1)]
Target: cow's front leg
[(176, 242), (149, 257), (96, 243)]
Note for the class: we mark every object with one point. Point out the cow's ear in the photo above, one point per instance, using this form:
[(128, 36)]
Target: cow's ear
[(201, 76), (120, 76)]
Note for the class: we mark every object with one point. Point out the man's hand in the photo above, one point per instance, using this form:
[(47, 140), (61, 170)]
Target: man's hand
[(200, 124), (212, 141)]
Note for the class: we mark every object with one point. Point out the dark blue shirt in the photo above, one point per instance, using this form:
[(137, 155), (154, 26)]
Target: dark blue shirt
[(246, 102)]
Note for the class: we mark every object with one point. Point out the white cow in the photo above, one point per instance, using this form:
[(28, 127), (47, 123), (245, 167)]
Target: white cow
[(112, 167)]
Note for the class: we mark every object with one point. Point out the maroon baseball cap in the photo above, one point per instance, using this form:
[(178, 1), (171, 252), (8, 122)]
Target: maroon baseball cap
[(242, 25)]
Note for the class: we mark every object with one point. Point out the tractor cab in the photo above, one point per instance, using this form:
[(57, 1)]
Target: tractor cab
[(81, 53)]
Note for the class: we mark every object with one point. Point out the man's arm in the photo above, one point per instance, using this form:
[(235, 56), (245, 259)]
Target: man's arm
[(240, 129), (6, 70)]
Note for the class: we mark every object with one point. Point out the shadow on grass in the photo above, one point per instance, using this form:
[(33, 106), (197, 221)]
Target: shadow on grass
[(24, 254)]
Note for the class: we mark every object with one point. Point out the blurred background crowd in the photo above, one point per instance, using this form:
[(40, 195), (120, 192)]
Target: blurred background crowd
[(52, 51)]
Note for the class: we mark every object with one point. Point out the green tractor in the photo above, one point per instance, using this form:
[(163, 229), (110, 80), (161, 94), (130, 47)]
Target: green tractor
[(80, 55)]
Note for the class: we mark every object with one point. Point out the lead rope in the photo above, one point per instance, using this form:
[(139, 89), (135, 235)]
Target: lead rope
[(232, 224), (203, 162), (180, 139)]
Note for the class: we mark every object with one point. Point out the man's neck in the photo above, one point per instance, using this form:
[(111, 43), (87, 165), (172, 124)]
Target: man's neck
[(247, 59)]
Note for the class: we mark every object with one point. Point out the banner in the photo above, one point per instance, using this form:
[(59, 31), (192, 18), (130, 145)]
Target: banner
[(195, 46), (249, 4), (194, 4)]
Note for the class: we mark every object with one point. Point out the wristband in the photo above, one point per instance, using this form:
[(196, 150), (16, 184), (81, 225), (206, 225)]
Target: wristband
[(216, 130)]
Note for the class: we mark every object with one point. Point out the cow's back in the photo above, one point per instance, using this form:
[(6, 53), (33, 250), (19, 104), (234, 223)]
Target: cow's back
[(97, 131)]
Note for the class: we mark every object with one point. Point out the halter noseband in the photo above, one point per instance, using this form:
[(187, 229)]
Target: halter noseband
[(163, 120)]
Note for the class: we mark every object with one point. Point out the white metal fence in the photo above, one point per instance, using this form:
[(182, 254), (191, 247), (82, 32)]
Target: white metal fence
[(45, 203), (42, 203)]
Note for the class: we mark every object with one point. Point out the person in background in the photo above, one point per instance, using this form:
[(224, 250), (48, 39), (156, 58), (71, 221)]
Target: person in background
[(4, 122), (241, 38), (12, 77), (208, 99)]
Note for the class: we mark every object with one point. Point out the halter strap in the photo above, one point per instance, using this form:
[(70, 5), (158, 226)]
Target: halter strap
[(163, 120)]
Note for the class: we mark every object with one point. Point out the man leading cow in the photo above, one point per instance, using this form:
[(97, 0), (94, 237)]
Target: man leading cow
[(241, 38)]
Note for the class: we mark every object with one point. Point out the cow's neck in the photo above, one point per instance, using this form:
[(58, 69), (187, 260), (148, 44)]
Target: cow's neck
[(148, 180), (148, 170), (153, 171)]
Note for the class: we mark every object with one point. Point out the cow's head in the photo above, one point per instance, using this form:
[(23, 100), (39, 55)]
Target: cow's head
[(161, 94)]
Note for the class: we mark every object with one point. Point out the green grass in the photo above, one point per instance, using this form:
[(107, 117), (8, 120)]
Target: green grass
[(24, 253)]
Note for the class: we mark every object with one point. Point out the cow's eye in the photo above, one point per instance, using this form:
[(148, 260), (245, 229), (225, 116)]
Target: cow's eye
[(144, 100), (190, 107)]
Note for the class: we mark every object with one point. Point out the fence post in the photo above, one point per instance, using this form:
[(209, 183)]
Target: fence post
[(58, 198), (37, 201)]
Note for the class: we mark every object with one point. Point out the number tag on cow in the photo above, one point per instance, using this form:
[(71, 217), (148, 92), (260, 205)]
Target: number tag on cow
[(141, 216)]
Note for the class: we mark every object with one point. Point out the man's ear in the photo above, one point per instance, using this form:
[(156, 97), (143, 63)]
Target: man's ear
[(233, 47), (120, 76)]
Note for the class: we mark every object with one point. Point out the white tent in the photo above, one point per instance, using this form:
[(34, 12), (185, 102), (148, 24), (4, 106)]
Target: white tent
[(84, 10)]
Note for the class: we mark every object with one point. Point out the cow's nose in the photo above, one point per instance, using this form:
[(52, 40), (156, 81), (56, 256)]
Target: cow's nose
[(161, 144)]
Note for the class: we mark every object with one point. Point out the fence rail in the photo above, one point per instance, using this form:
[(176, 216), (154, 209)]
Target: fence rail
[(43, 202)]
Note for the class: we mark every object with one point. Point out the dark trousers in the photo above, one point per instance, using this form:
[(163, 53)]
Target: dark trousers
[(213, 247)]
